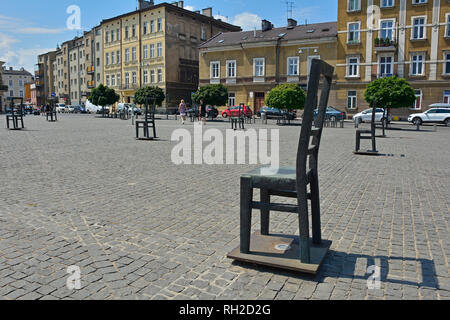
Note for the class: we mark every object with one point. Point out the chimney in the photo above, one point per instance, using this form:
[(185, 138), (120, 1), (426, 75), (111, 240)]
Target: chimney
[(292, 23), (181, 4), (207, 12), (266, 25)]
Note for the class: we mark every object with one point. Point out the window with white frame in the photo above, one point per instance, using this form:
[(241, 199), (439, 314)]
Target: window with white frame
[(107, 80), (293, 66), (112, 36), (159, 24), (417, 64), (159, 49), (203, 34), (133, 31), (231, 99), (145, 52), (387, 29), (419, 1), (107, 59), (386, 66), (127, 55), (353, 32), (134, 77), (387, 3), (145, 27), (231, 69), (127, 78), (352, 66), (152, 26), (258, 67), (133, 54), (418, 103), (447, 25), (152, 76), (418, 30), (351, 99), (145, 76), (113, 80), (112, 58), (354, 5), (215, 70), (160, 77), (118, 34), (447, 63), (118, 79), (152, 51), (118, 57)]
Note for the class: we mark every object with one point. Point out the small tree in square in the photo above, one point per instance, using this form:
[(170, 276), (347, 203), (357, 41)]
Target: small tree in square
[(141, 95), (103, 96), (288, 96), (215, 95)]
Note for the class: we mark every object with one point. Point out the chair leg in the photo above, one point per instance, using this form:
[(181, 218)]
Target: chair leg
[(246, 213), (358, 141), (305, 253), (265, 214), (315, 208)]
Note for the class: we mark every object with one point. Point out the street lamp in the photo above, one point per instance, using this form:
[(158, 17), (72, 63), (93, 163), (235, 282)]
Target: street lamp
[(300, 52)]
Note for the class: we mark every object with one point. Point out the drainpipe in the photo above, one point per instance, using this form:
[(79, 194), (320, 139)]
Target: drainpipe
[(277, 70)]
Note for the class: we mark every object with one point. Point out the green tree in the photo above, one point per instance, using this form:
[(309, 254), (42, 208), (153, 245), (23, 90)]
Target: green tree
[(141, 95), (103, 96), (215, 95), (289, 96)]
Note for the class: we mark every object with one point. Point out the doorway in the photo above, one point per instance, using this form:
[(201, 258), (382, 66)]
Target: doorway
[(259, 101)]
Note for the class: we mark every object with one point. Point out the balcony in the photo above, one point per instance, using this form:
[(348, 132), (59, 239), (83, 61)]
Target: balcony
[(90, 70), (128, 86), (385, 45), (383, 75), (91, 84)]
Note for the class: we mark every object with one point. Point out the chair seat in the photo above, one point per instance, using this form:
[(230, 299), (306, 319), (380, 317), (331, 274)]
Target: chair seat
[(283, 178)]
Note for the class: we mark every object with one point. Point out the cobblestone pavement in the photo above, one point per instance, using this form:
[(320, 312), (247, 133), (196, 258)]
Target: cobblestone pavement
[(82, 191)]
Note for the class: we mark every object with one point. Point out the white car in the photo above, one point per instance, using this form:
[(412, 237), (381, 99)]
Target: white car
[(91, 108), (70, 109), (434, 115), (61, 108), (366, 116)]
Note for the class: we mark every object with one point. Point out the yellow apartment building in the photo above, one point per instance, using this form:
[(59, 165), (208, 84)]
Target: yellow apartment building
[(417, 49), (251, 63)]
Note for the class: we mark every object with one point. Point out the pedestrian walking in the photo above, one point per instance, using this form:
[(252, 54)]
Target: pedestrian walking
[(182, 109), (203, 111)]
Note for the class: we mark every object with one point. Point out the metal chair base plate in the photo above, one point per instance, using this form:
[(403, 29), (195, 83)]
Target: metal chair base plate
[(271, 251), (147, 139), (367, 153)]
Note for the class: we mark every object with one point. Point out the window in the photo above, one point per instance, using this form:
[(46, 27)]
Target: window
[(418, 103), (447, 26), (118, 57), (159, 24), (258, 67), (98, 62), (127, 31), (354, 5), (447, 96), (133, 54), (118, 34), (112, 36), (145, 76), (419, 1), (10, 83), (113, 80), (293, 66), (386, 66), (353, 32), (352, 66), (351, 99), (203, 35), (107, 80), (21, 93), (417, 67), (127, 55), (97, 46), (386, 29), (118, 79), (11, 93), (112, 57), (133, 31), (418, 31), (127, 78), (107, 59), (447, 63), (215, 70), (231, 69), (134, 77), (152, 76), (231, 99), (387, 3), (160, 79), (159, 49), (152, 26), (106, 40), (145, 52), (145, 27)]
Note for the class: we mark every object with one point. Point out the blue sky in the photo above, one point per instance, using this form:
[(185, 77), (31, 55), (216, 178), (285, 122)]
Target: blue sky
[(32, 27)]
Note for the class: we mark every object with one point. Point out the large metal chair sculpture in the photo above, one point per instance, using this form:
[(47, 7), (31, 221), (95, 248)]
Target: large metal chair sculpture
[(289, 252), (148, 122), (15, 116), (50, 112), (239, 120), (361, 134)]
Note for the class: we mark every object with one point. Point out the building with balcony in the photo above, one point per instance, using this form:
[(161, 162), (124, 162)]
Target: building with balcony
[(382, 38), (16, 81), (252, 63), (157, 45), (44, 78)]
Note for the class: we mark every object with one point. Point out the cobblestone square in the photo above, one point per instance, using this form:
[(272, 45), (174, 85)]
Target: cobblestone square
[(82, 191)]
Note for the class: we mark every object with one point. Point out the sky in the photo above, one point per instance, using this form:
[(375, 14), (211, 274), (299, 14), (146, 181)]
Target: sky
[(30, 27)]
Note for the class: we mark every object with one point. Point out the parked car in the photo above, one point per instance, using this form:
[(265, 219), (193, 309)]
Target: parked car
[(91, 108), (70, 109), (28, 110), (275, 113), (79, 109), (332, 114), (434, 115), (61, 108), (100, 110), (234, 112), (211, 112), (130, 107), (366, 116)]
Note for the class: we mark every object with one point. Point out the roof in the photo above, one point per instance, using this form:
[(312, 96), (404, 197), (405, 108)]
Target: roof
[(176, 8), (17, 72), (303, 32)]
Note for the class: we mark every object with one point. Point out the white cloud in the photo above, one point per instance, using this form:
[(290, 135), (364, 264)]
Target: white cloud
[(221, 17), (32, 30), (247, 21), (20, 26), (190, 8), (21, 58)]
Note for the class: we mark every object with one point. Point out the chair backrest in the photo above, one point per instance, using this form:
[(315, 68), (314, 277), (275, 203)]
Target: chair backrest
[(318, 68)]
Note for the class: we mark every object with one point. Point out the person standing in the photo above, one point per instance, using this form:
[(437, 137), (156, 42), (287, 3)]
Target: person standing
[(203, 111), (182, 109)]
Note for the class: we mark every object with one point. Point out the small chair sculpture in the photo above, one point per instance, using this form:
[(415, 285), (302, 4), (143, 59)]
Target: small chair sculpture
[(289, 252), (15, 116), (148, 122), (238, 120), (50, 113), (361, 135)]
